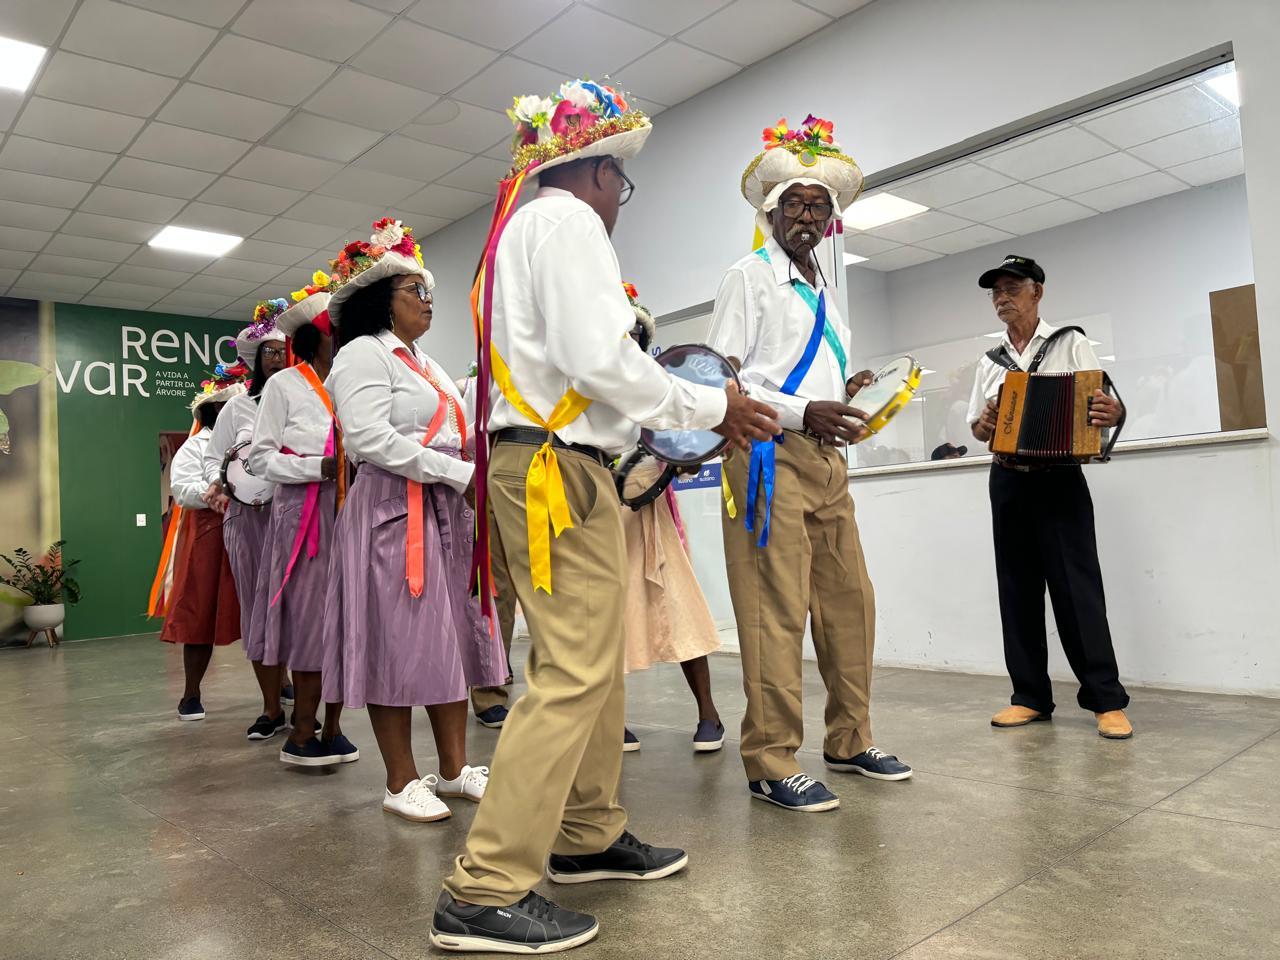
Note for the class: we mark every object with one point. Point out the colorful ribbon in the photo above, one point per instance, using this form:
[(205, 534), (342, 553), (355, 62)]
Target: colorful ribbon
[(157, 603)]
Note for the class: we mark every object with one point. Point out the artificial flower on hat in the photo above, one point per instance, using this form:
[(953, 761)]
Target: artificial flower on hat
[(582, 119), (309, 305), (262, 329), (643, 316), (226, 383), (809, 154), (390, 251)]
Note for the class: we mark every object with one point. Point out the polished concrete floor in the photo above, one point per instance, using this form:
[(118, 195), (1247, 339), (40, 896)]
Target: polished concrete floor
[(127, 834)]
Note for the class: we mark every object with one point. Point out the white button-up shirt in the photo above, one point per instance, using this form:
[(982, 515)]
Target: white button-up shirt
[(385, 407), (234, 425), (186, 471), (560, 320), (1069, 353), (764, 322), (290, 415)]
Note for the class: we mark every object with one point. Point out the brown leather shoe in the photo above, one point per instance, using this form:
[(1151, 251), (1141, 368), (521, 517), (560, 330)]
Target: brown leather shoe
[(1114, 725), (1016, 716)]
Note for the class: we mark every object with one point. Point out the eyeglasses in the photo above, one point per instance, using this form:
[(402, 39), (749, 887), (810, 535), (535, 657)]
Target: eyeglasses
[(628, 188), (423, 294), (794, 207), (1006, 289), (269, 353)]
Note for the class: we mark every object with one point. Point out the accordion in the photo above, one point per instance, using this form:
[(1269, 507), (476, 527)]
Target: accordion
[(1044, 418)]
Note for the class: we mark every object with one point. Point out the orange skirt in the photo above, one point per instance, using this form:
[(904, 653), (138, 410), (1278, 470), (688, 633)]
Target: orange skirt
[(202, 608)]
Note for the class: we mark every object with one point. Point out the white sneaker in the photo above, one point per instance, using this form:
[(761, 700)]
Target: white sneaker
[(470, 783), (416, 802)]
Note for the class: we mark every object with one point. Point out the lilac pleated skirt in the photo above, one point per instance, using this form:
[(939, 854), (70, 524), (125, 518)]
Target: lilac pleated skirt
[(244, 532), (290, 632), (382, 644)]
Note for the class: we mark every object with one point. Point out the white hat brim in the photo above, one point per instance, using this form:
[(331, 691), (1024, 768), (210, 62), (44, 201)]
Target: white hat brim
[(302, 313), (219, 396), (247, 346), (624, 146), (779, 165), (390, 264)]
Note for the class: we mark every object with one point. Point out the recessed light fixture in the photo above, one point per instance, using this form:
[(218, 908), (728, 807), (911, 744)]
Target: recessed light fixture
[(18, 63), (1227, 86), (880, 209), (851, 258), (186, 240)]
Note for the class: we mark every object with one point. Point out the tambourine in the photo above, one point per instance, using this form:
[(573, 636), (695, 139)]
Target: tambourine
[(239, 481), (889, 391), (678, 449)]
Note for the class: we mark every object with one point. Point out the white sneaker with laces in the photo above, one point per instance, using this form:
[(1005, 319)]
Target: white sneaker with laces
[(416, 802), (470, 784)]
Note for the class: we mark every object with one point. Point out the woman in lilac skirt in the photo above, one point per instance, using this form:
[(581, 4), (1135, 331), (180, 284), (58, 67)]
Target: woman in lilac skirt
[(260, 348), (401, 629), (295, 446)]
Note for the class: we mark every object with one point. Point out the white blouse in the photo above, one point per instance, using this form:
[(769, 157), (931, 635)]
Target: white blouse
[(385, 407), (186, 472), (291, 415), (234, 425)]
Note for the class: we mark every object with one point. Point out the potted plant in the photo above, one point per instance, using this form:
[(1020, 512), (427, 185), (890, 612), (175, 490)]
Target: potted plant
[(49, 586)]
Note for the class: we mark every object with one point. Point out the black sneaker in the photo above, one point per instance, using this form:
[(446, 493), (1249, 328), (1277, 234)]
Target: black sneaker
[(190, 709), (534, 925), (264, 728), (293, 720), (627, 859), (873, 763), (286, 695)]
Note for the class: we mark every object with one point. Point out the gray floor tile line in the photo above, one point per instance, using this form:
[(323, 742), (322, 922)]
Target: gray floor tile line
[(1227, 760), (1201, 816)]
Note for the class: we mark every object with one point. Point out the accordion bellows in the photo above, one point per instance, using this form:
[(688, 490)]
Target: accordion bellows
[(1045, 417)]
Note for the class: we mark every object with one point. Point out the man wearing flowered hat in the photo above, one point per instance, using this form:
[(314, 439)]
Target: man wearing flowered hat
[(568, 390), (794, 556)]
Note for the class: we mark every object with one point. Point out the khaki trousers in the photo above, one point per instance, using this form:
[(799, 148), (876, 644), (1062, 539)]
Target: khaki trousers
[(554, 781), (812, 569), (482, 698)]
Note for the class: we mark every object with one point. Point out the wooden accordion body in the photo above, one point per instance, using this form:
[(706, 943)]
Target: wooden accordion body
[(1044, 417)]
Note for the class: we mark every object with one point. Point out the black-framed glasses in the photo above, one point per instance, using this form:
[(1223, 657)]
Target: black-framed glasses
[(794, 207), (628, 188), (419, 289), (1011, 289), (269, 353)]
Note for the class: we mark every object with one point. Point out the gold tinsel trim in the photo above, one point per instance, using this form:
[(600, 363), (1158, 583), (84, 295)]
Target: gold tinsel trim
[(751, 167), (560, 145)]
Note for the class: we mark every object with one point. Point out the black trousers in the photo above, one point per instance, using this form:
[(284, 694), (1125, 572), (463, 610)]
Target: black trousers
[(1044, 534)]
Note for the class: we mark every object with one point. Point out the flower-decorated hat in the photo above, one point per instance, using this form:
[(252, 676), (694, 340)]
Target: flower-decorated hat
[(310, 305), (262, 329), (225, 384), (391, 251), (584, 119), (809, 155), (643, 316)]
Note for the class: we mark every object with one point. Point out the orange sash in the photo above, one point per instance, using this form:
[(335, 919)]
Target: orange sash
[(313, 381), (157, 603)]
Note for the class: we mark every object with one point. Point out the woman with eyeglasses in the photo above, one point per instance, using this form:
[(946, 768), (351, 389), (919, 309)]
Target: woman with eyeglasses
[(401, 629), (261, 348)]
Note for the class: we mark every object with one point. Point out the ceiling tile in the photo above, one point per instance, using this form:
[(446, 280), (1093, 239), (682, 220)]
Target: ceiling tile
[(247, 269), (438, 200), (1194, 144), (300, 234), (150, 276), (30, 216), (77, 126), (1052, 214), (59, 282), (110, 228), (208, 216), (113, 31), (411, 159), (93, 299), (187, 148), (121, 290), (19, 238), (284, 169), (837, 8), (333, 29), (33, 188), (224, 286), (920, 227), (98, 83), (38, 23), (898, 258), (499, 24), (162, 178), (279, 75), (370, 187), (667, 17), (7, 277), (479, 174), (1131, 191), (1211, 169), (425, 226), (422, 58), (10, 103), (281, 254), (674, 72), (460, 125), (17, 259), (1053, 151), (74, 266), (169, 260), (131, 205), (390, 6), (1156, 117), (750, 30), (55, 160), (505, 78), (369, 101), (321, 137), (217, 111), (587, 43), (970, 238), (212, 13), (1094, 173), (1000, 203), (251, 195), (951, 186), (866, 246), (331, 210), (190, 300), (89, 248)]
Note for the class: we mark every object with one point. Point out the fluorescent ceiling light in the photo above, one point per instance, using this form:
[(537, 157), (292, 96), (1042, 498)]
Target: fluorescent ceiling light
[(187, 240), (995, 336), (925, 371), (880, 209), (18, 63), (1095, 343), (1108, 359), (1227, 86), (851, 258)]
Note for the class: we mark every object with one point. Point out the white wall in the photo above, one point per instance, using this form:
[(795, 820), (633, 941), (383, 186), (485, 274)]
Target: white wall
[(1188, 538)]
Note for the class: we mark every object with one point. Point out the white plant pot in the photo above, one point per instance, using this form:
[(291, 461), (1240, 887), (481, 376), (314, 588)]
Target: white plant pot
[(44, 616)]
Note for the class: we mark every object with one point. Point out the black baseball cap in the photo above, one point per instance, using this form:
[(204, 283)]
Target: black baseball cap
[(947, 450), (1015, 266)]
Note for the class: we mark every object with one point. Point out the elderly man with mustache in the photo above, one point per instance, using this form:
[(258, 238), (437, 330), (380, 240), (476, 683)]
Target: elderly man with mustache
[(794, 555)]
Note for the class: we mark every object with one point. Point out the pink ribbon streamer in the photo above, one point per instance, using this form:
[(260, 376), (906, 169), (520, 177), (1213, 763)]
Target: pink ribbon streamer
[(309, 522)]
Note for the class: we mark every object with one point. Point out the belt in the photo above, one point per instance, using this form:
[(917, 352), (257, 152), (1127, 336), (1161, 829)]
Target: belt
[(533, 437), (1017, 467)]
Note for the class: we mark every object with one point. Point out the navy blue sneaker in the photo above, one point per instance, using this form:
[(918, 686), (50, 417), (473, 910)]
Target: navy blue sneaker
[(190, 709), (797, 792), (873, 763), (493, 718), (709, 736), (286, 695), (346, 751), (264, 728), (293, 721), (630, 742), (311, 754)]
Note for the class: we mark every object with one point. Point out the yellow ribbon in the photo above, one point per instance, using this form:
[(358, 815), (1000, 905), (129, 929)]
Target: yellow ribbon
[(730, 507), (544, 499)]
